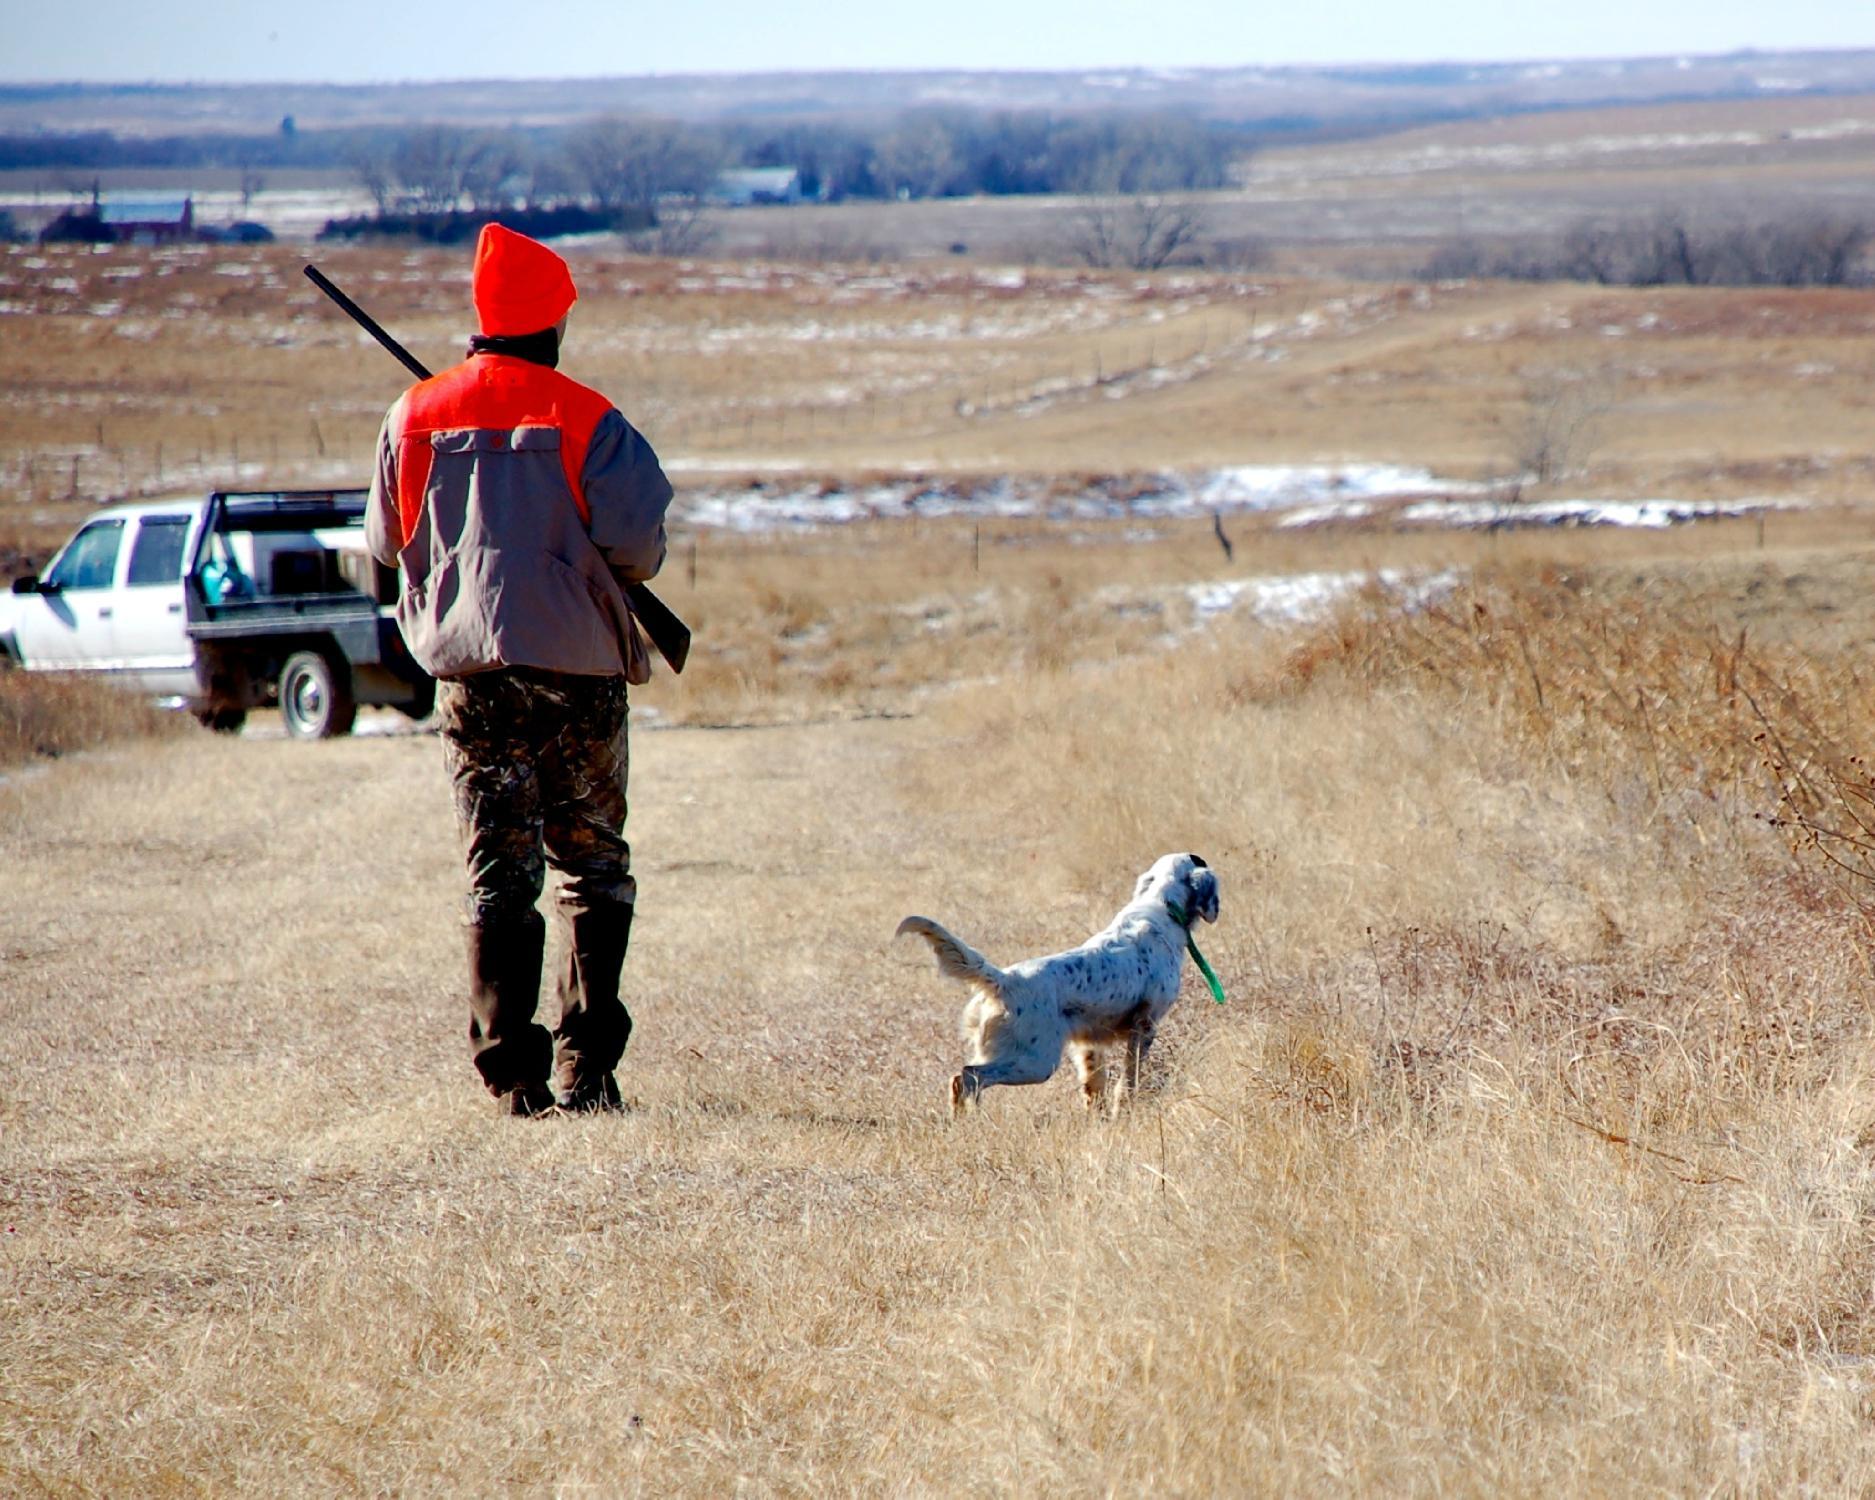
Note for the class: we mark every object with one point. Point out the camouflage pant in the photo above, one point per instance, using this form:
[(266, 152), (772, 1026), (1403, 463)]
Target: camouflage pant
[(538, 761)]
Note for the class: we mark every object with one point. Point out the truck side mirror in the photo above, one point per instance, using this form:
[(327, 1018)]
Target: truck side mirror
[(27, 585)]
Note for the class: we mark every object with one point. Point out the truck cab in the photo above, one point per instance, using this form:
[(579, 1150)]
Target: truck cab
[(112, 601)]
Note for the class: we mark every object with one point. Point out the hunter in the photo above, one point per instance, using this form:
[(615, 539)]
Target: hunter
[(515, 502)]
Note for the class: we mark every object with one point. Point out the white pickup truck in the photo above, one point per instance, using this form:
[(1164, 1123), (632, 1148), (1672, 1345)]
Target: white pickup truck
[(238, 601)]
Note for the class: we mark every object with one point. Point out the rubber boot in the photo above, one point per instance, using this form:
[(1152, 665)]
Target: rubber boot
[(509, 1049), (594, 1024)]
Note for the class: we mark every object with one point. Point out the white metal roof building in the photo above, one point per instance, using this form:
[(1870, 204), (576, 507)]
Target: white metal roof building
[(746, 185)]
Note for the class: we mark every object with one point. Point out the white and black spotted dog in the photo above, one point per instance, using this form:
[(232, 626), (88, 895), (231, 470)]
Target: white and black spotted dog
[(1114, 988)]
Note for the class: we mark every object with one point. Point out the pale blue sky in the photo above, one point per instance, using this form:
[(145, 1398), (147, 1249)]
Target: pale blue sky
[(347, 41)]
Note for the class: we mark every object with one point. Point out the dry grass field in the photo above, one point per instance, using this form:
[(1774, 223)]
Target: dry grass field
[(1534, 1152), (147, 371), (1530, 1155)]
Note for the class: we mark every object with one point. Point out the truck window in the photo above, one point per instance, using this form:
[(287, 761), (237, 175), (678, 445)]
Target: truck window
[(91, 559), (156, 555)]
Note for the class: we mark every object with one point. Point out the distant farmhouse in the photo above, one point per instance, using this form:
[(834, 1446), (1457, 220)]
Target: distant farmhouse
[(148, 221), (747, 185), (126, 221)]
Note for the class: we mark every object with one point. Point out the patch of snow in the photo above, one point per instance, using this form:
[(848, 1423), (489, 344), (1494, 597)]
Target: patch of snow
[(1329, 511), (766, 506), (1650, 515), (1280, 487), (1834, 131), (1300, 495), (1302, 598)]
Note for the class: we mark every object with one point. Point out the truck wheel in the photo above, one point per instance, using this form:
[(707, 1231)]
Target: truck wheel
[(315, 697), (222, 720)]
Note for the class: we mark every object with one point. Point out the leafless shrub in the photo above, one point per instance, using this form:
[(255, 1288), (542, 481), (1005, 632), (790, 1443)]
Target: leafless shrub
[(46, 715), (369, 160), (1138, 232), (251, 183), (493, 167), (427, 164), (1818, 250), (1672, 249), (1562, 421), (683, 227), (637, 163), (915, 161)]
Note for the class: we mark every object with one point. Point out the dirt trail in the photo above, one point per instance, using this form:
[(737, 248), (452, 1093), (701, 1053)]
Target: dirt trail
[(226, 917), (246, 1169)]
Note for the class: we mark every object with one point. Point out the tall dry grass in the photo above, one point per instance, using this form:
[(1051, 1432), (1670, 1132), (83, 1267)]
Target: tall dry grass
[(1555, 1115), (44, 715), (1531, 1153)]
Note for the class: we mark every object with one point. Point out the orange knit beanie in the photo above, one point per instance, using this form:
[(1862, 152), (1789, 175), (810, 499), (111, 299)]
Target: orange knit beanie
[(519, 285)]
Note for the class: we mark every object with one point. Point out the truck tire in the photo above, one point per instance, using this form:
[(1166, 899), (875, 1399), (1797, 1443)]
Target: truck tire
[(316, 697)]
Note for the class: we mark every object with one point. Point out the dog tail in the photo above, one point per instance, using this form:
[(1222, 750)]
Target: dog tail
[(956, 958)]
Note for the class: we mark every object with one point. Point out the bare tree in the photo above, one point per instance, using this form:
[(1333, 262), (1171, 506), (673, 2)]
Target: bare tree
[(1674, 248), (369, 160), (915, 161), (490, 171), (1137, 231), (636, 163), (682, 227), (1132, 213), (427, 165), (1564, 411), (1817, 250), (548, 178)]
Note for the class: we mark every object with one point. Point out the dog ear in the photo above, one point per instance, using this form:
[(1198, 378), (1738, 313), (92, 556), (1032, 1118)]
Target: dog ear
[(1203, 887)]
